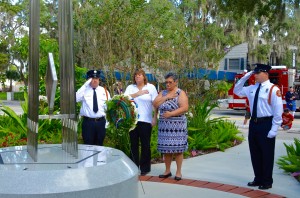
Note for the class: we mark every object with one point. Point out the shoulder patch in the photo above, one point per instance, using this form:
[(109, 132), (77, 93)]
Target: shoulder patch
[(278, 93)]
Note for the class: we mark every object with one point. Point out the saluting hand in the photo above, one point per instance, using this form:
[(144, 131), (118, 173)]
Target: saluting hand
[(88, 82)]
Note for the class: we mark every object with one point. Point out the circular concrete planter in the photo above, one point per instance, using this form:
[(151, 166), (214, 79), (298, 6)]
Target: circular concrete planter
[(98, 172)]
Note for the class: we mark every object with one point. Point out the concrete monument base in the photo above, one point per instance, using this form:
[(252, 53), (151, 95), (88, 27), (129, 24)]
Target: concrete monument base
[(98, 172)]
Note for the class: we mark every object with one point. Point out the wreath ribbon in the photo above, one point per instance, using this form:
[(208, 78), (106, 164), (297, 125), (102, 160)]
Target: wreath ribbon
[(121, 113)]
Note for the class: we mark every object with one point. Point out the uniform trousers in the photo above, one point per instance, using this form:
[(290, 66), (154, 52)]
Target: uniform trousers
[(262, 151), (93, 131), (141, 133)]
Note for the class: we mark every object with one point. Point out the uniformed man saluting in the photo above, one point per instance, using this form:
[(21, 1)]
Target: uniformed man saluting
[(266, 110), (93, 98)]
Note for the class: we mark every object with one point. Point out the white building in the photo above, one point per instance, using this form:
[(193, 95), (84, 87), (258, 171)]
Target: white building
[(236, 59)]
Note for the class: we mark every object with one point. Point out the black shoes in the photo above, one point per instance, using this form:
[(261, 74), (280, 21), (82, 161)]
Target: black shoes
[(169, 175), (165, 176), (261, 187), (264, 187), (253, 183), (177, 178)]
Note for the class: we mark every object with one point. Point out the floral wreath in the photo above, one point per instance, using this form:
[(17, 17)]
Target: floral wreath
[(121, 113)]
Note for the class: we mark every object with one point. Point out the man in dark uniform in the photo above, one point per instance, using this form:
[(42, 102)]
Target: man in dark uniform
[(266, 109), (93, 98)]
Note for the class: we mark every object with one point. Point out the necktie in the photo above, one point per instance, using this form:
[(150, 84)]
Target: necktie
[(254, 111), (95, 103)]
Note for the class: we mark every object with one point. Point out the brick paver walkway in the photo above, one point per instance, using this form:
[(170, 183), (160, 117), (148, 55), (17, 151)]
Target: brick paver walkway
[(247, 192)]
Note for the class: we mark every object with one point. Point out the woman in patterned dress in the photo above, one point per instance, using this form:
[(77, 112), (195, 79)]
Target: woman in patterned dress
[(172, 103)]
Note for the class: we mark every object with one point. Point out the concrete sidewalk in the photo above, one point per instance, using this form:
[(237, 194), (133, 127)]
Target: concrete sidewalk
[(232, 167), (14, 105)]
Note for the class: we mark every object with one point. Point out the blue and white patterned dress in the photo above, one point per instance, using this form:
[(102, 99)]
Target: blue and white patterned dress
[(172, 132)]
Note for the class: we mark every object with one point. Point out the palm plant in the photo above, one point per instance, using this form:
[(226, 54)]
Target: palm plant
[(199, 118), (19, 121), (16, 125), (209, 133), (224, 134), (291, 162)]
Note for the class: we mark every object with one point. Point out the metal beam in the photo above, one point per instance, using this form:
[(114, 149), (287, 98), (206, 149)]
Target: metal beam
[(67, 73), (33, 79)]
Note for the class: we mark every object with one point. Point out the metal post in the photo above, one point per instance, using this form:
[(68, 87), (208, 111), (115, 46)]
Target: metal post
[(67, 73), (33, 79)]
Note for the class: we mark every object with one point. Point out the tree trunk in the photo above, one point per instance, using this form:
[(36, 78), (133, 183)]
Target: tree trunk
[(10, 85)]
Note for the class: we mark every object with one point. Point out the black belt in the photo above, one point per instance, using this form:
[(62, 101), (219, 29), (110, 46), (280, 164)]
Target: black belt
[(262, 119), (94, 119)]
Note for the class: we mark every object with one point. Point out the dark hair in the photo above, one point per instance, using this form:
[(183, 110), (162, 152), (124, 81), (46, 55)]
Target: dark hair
[(171, 75), (286, 110), (140, 71)]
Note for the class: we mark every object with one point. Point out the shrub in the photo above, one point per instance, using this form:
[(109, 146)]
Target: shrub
[(224, 135), (3, 96), (15, 126), (206, 133), (12, 139), (19, 96), (291, 162), (153, 144)]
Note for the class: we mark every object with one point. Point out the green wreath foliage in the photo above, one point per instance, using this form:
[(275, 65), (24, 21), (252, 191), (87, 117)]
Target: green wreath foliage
[(121, 114)]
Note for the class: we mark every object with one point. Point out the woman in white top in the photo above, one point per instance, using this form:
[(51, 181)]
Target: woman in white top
[(143, 94)]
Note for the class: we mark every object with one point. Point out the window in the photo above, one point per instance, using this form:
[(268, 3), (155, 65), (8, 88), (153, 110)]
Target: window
[(234, 64), (274, 81)]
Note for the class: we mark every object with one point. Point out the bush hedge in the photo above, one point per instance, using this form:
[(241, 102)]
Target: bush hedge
[(3, 96), (17, 96)]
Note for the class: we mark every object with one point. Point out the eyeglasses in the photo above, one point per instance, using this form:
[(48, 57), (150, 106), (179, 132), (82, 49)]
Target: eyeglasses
[(168, 82)]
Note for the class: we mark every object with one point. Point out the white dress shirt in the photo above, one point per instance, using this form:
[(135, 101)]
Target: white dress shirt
[(144, 102), (264, 109), (85, 96)]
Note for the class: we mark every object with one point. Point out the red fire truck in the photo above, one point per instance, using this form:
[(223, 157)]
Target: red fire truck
[(279, 75)]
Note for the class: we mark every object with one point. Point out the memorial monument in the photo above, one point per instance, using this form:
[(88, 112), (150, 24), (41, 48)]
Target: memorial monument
[(68, 170)]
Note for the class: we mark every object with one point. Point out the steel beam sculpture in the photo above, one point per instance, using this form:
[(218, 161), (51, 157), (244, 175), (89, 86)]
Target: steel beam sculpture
[(33, 79), (67, 80)]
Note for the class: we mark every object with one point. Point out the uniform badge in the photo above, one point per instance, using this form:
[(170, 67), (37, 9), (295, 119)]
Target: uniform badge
[(278, 93)]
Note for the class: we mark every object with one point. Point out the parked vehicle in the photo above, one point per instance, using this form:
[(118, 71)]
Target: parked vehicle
[(279, 75)]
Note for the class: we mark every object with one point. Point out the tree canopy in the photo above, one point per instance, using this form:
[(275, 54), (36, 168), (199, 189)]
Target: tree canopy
[(162, 34)]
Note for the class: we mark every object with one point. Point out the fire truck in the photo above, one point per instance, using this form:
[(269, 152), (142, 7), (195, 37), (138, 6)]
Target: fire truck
[(279, 75)]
